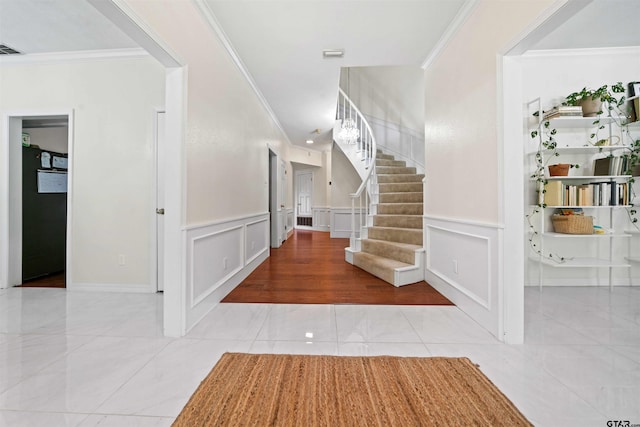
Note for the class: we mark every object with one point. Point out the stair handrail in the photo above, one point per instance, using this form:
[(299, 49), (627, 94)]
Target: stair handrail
[(368, 150)]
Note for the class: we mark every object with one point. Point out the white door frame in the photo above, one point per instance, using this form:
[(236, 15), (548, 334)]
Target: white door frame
[(274, 206), (175, 281), (297, 192), (511, 133), (157, 272), (11, 195), (282, 191)]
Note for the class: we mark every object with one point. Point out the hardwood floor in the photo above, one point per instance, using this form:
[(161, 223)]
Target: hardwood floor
[(309, 268), (56, 280)]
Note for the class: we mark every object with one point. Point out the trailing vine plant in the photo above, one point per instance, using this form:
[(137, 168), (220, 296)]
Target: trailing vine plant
[(546, 142)]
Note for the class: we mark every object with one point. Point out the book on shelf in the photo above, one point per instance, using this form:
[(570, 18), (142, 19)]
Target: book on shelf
[(602, 166), (606, 193), (563, 111), (553, 193), (610, 166)]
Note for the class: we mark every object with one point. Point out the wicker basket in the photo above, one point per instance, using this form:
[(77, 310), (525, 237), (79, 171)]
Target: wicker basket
[(572, 224)]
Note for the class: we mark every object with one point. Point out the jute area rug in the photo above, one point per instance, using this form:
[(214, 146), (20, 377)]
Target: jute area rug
[(291, 390)]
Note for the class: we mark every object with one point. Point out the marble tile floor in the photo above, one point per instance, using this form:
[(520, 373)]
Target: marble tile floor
[(87, 359)]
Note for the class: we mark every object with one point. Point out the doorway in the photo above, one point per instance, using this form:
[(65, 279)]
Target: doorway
[(37, 222), (304, 194), (273, 200)]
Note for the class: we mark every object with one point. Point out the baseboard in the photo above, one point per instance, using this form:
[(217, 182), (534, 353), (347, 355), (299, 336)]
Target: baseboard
[(112, 287), (313, 228), (575, 283)]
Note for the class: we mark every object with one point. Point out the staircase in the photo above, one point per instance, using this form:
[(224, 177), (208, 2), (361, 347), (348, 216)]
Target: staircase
[(392, 248)]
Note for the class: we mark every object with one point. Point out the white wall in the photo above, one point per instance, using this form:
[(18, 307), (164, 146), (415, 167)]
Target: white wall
[(113, 101), (461, 112), (463, 161), (551, 75), (227, 136), (344, 180), (392, 100), (227, 127), (305, 157), (52, 138), (392, 93)]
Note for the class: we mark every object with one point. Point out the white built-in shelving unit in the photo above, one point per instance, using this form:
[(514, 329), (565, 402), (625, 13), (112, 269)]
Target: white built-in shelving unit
[(572, 153)]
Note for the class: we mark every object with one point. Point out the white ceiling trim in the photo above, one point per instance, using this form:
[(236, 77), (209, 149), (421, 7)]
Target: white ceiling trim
[(551, 18), (623, 50), (123, 17), (461, 17), (215, 25), (83, 55)]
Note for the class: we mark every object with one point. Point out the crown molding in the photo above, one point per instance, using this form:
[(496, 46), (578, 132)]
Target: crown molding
[(75, 56), (215, 25), (461, 17)]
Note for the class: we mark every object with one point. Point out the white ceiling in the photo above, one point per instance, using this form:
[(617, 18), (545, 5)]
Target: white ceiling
[(602, 23), (281, 42), (44, 26)]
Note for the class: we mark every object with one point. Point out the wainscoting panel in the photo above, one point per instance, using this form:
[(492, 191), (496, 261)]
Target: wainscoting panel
[(321, 218), (462, 260), (462, 264), (341, 222), (257, 238), (289, 225), (219, 256)]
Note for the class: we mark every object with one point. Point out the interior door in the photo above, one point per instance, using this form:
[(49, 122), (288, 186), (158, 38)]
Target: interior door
[(273, 200), (160, 156), (304, 188), (281, 197)]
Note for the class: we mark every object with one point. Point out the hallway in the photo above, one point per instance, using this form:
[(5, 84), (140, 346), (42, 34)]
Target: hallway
[(309, 268)]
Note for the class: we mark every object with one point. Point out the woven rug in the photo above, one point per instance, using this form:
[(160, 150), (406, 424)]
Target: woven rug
[(290, 390)]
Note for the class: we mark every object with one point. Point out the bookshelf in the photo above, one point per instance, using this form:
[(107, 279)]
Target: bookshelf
[(603, 196)]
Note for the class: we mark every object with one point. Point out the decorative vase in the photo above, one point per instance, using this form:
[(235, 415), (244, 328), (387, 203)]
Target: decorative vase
[(561, 169), (590, 106)]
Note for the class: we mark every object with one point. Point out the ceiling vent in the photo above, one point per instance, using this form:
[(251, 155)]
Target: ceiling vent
[(6, 50), (333, 53)]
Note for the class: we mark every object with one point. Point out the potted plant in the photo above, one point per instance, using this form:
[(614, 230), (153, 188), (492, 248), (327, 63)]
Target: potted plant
[(591, 100)]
